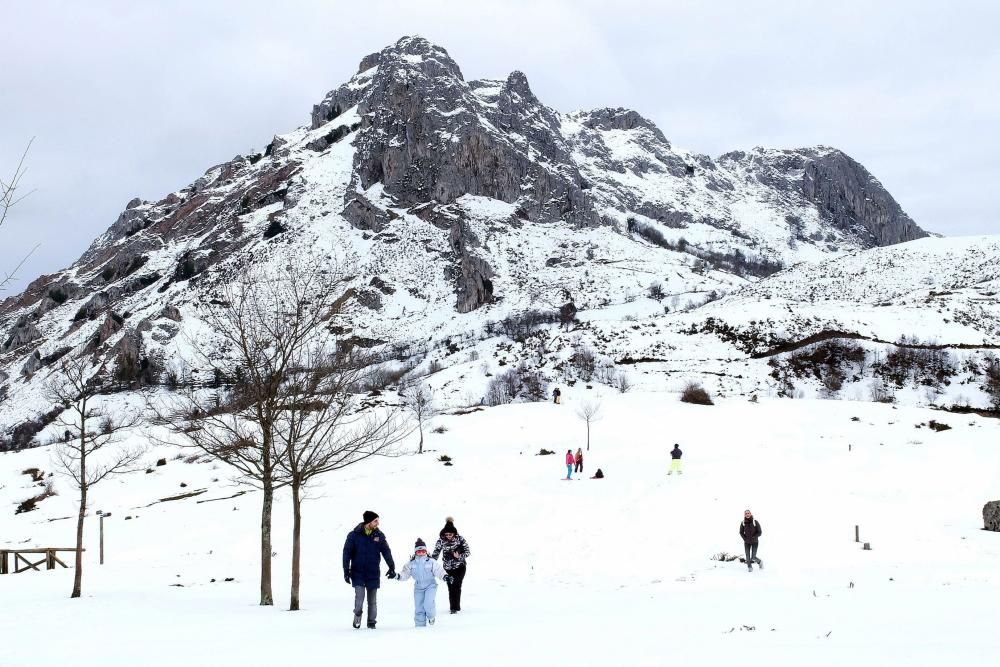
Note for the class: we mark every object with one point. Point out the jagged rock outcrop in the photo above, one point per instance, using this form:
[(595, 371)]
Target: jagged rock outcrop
[(474, 285), (111, 325), (24, 332), (32, 365), (846, 194), (97, 304), (851, 196), (991, 515), (426, 135), (126, 355), (363, 214)]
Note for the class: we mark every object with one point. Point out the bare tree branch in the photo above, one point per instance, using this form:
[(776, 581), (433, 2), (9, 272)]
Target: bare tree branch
[(265, 328), (86, 454), (9, 197), (589, 411), (420, 400)]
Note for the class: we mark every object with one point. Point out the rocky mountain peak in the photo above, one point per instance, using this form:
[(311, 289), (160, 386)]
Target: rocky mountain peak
[(620, 119)]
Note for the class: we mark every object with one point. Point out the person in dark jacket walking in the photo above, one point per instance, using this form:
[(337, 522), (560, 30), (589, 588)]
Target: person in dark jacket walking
[(555, 395), (750, 532), (364, 546), (675, 460), (455, 550)]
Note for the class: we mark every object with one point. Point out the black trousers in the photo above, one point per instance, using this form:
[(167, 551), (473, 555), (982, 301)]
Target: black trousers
[(579, 467), (455, 588), (751, 550)]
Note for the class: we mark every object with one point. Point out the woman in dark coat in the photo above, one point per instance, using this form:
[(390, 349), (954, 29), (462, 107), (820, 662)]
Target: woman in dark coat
[(750, 532), (455, 550)]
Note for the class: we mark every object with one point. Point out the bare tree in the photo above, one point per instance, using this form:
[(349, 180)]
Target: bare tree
[(321, 429), (589, 411), (84, 453), (9, 196), (419, 399), (264, 326)]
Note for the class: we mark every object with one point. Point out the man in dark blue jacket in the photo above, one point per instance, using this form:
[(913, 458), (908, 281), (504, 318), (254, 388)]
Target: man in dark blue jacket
[(362, 549)]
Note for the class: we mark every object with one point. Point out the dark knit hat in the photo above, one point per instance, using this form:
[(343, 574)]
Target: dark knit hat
[(449, 527), (420, 544), (369, 516)]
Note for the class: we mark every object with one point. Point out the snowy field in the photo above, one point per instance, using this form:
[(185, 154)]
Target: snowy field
[(589, 572)]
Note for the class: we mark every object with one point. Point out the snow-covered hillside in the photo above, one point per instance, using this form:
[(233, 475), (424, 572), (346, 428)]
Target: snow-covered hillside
[(452, 204), (585, 572)]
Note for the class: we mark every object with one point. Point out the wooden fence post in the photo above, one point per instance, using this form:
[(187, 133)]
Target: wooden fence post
[(857, 537), (102, 539)]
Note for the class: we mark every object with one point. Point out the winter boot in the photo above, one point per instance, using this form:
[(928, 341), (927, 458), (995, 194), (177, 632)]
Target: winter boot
[(749, 567), (357, 621), (430, 621), (371, 625), (760, 564)]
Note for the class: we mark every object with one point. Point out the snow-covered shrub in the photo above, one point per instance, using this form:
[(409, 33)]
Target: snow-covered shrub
[(695, 393), (521, 382), (517, 326), (916, 363), (502, 389), (991, 381), (584, 362), (880, 393), (29, 504), (534, 386), (655, 291)]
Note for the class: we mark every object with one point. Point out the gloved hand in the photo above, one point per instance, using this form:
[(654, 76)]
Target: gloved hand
[(448, 579), (391, 574), (347, 577)]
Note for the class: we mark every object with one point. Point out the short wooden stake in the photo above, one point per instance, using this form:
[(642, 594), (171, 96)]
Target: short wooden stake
[(867, 547)]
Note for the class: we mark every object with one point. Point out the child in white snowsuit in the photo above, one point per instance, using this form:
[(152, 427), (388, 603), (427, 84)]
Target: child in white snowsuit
[(424, 571)]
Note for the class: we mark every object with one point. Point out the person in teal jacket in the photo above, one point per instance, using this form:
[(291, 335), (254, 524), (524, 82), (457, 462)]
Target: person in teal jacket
[(425, 572)]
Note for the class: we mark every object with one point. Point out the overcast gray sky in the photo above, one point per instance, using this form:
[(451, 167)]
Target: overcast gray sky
[(137, 99)]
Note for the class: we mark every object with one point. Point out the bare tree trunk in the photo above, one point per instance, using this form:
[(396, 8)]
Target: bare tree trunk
[(78, 572), (266, 596), (296, 543), (588, 435), (421, 449)]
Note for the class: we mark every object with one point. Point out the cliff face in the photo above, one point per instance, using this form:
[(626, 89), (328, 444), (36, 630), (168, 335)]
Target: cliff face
[(845, 194)]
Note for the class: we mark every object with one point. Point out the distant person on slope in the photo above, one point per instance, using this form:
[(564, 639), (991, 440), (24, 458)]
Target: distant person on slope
[(362, 550), (455, 550), (598, 474), (750, 532), (555, 395), (675, 460), (579, 460), (425, 572), (570, 462)]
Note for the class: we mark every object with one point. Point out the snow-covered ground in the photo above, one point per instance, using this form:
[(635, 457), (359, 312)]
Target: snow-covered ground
[(612, 572)]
